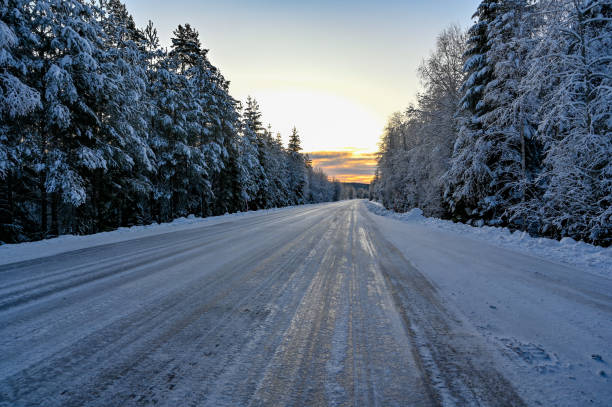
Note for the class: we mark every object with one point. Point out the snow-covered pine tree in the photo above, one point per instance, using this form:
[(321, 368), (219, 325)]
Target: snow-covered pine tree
[(127, 184), (153, 55), (18, 101), (218, 132), (597, 23), (468, 181), (572, 69), (16, 59), (100, 127), (181, 165), (74, 144), (186, 47)]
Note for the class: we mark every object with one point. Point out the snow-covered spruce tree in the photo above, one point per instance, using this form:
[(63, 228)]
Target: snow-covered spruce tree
[(389, 180), (518, 115), (320, 188), (222, 147), (269, 193), (278, 171), (468, 181), (297, 167), (252, 120), (511, 159), (250, 170), (18, 101), (572, 69)]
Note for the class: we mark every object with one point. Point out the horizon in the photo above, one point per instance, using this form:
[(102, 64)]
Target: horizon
[(350, 65)]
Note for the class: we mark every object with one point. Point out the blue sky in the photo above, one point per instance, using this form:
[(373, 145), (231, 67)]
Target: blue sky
[(334, 69)]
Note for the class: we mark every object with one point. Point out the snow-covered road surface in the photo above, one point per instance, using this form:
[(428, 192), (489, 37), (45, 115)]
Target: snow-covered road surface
[(319, 305)]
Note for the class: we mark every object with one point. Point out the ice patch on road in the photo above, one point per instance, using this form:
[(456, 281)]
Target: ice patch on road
[(594, 259)]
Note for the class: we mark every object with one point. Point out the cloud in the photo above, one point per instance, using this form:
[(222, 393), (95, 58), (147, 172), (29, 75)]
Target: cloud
[(347, 166), (325, 155), (362, 179)]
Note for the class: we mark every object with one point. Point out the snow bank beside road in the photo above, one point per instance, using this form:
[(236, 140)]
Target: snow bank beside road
[(594, 259), (549, 321), (12, 253)]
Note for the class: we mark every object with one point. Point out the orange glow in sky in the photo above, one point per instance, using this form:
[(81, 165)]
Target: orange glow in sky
[(346, 166)]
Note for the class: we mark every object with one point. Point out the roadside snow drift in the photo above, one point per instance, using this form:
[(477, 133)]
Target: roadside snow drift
[(590, 258)]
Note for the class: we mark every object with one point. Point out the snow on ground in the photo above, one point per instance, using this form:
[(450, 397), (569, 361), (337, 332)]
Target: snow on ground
[(551, 322), (11, 253), (547, 326), (594, 259)]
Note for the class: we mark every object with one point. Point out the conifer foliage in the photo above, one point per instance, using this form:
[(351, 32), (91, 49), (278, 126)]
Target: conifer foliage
[(102, 128), (531, 132)]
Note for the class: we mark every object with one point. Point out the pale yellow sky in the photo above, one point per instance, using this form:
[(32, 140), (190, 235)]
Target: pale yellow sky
[(335, 69)]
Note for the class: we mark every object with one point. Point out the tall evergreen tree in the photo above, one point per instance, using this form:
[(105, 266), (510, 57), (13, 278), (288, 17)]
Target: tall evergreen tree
[(74, 143), (128, 185), (252, 119), (297, 168), (250, 169), (101, 128), (468, 179), (512, 157), (19, 100), (573, 72), (186, 47)]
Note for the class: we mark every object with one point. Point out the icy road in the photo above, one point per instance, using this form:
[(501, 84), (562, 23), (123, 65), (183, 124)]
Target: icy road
[(309, 306)]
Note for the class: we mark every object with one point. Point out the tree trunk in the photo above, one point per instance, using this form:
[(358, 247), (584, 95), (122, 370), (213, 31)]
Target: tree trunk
[(524, 169), (54, 220), (43, 206), (94, 203), (6, 210), (202, 205)]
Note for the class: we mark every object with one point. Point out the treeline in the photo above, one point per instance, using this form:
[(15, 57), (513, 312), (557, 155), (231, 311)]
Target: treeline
[(100, 127), (514, 123)]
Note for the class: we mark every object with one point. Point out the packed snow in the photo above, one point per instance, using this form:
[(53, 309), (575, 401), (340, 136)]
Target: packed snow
[(301, 304), (590, 258), (549, 321), (11, 253)]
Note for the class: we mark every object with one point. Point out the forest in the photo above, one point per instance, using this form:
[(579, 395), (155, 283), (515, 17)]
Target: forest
[(101, 127), (513, 125)]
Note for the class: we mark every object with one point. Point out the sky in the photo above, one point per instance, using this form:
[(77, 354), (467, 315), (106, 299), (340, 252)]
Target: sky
[(334, 69)]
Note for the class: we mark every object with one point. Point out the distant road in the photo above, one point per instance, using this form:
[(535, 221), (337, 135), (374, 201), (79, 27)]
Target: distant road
[(303, 307)]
